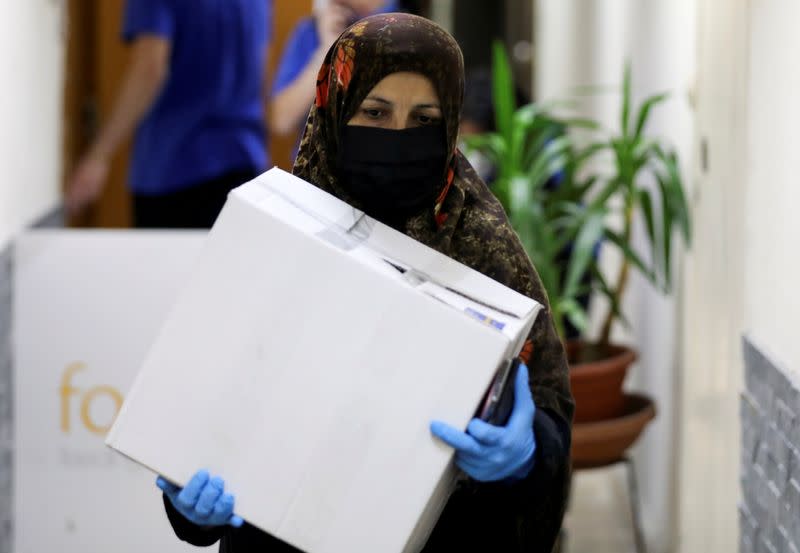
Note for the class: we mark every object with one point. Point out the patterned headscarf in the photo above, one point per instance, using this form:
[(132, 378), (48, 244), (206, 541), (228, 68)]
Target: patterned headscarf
[(368, 51), (467, 223)]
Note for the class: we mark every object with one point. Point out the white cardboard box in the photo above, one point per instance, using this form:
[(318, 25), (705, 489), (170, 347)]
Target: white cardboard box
[(303, 362)]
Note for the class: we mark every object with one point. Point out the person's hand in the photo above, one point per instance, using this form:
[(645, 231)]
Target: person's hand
[(203, 501), (488, 453), (86, 183), (332, 21)]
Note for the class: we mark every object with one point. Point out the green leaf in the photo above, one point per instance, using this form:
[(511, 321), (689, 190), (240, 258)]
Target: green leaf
[(639, 154), (572, 191), (552, 160), (679, 206), (487, 141), (561, 242), (605, 289), (583, 249), (530, 126), (536, 140), (631, 256), (666, 223), (620, 147), (647, 210), (581, 123), (644, 111), (626, 100), (583, 188), (575, 313), (548, 274), (490, 144), (535, 147), (502, 90), (611, 188), (527, 114), (591, 150), (519, 194)]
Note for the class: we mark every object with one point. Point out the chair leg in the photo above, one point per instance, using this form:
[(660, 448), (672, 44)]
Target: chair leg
[(633, 497)]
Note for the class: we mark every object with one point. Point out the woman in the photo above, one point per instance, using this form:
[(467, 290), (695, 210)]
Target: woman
[(382, 136), (305, 50)]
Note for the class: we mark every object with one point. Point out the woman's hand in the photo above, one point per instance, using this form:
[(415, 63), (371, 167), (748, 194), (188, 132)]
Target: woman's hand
[(489, 453), (332, 21), (203, 501), (86, 183)]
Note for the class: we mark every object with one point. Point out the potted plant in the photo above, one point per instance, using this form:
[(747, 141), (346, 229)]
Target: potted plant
[(561, 225), (535, 159)]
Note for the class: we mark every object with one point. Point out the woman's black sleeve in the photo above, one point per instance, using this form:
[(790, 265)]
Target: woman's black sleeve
[(189, 532), (538, 501)]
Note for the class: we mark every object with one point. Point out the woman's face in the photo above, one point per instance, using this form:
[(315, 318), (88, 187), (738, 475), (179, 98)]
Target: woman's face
[(401, 100)]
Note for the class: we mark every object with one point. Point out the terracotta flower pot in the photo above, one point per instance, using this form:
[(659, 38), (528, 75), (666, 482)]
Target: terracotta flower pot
[(596, 374), (596, 444)]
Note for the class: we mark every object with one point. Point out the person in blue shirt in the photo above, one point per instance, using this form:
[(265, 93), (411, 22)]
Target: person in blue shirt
[(296, 77), (194, 93)]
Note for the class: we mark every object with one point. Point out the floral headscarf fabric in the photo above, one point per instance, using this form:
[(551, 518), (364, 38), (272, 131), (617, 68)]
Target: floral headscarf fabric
[(467, 223), (366, 53)]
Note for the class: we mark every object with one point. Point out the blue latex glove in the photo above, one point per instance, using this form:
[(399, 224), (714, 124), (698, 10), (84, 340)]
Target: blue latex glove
[(489, 453), (203, 501)]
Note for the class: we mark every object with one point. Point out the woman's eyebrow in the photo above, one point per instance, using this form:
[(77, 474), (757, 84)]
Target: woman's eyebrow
[(426, 106), (379, 100)]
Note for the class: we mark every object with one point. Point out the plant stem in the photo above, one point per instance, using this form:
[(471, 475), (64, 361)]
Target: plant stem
[(622, 281)]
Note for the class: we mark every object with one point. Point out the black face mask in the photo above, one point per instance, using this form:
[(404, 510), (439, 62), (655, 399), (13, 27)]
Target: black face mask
[(392, 174)]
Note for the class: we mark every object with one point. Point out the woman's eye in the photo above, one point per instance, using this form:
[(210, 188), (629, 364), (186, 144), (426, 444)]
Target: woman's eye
[(372, 113), (428, 120)]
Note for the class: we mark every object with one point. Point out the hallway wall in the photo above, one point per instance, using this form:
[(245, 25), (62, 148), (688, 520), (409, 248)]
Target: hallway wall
[(31, 62), (741, 280)]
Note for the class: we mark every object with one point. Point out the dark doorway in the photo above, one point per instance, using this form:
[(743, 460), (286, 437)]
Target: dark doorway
[(477, 23)]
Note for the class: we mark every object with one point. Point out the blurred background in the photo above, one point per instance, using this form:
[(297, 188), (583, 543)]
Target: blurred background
[(717, 469)]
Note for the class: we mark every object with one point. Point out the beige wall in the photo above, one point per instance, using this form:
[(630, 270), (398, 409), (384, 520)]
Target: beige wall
[(31, 70), (712, 308), (771, 219), (743, 271)]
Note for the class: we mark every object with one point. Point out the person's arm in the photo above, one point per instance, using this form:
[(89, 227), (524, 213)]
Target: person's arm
[(533, 504), (143, 80), (539, 499), (289, 107), (290, 103)]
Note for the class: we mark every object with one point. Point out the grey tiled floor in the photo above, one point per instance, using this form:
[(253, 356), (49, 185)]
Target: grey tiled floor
[(598, 519)]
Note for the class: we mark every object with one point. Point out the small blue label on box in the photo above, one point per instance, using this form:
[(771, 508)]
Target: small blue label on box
[(485, 319)]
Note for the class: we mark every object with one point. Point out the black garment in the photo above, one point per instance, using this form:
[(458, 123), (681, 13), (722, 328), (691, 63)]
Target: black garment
[(471, 520), (195, 206)]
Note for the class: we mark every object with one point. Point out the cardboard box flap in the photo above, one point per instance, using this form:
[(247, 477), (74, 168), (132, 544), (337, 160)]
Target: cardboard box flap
[(347, 228), (328, 209), (448, 273)]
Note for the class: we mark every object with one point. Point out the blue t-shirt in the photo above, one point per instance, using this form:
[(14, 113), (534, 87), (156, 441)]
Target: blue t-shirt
[(209, 118)]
